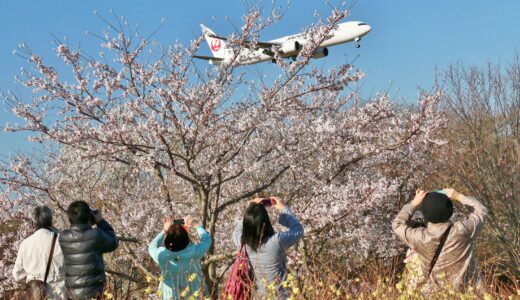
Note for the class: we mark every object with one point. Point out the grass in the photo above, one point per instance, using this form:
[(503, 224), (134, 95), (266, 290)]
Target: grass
[(323, 285)]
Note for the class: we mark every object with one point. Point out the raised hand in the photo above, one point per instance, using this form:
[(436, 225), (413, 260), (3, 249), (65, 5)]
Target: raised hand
[(452, 194), (189, 222), (419, 198), (167, 223), (279, 204)]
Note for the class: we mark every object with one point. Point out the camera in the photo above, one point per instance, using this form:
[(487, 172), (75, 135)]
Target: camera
[(178, 221), (93, 214)]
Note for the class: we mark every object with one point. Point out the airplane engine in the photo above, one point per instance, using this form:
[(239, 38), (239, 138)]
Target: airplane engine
[(290, 47), (320, 53)]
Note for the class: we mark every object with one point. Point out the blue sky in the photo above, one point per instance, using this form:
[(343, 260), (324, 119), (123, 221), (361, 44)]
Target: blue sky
[(409, 38)]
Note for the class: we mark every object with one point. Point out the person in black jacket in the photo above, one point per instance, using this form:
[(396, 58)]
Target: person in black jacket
[(83, 247)]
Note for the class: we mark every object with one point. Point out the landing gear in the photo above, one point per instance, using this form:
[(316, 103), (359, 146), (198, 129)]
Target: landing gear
[(357, 40)]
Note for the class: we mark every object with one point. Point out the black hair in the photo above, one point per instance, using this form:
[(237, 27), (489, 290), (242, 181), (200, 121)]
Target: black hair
[(79, 213), (42, 217), (256, 226), (436, 207), (177, 238)]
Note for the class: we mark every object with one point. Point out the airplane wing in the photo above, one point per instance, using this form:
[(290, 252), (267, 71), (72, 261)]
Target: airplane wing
[(208, 58), (259, 43)]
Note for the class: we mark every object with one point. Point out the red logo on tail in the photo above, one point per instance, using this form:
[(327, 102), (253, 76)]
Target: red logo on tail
[(215, 45)]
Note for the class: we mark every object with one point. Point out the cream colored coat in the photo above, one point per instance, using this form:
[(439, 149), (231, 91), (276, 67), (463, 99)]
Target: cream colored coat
[(457, 264), (31, 263)]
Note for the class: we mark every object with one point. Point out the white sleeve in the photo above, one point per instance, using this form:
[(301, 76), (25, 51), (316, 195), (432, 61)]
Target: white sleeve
[(18, 270)]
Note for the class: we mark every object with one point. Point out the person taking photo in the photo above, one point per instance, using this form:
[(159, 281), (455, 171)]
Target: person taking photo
[(447, 248), (264, 246), (180, 259), (83, 247)]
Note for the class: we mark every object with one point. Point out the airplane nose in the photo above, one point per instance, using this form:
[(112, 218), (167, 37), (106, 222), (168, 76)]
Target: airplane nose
[(368, 28)]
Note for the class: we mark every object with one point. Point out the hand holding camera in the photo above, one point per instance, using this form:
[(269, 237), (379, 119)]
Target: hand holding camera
[(189, 222), (452, 194), (270, 202), (186, 221), (419, 197), (96, 216)]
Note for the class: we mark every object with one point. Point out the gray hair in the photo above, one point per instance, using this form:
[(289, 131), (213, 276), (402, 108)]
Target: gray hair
[(42, 216)]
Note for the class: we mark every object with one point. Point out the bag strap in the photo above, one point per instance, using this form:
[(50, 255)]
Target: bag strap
[(439, 249), (54, 237)]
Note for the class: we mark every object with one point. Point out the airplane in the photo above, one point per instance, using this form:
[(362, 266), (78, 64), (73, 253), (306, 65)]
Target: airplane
[(288, 46)]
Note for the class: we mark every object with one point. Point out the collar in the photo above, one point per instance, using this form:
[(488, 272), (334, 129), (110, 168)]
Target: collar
[(438, 227), (80, 227)]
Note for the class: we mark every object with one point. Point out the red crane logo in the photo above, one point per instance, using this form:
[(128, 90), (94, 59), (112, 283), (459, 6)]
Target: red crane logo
[(215, 45)]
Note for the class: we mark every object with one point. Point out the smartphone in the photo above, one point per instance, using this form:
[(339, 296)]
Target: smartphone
[(268, 202), (178, 221), (441, 192)]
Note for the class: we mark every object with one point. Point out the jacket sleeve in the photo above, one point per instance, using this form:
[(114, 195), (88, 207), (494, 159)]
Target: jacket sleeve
[(18, 270), (475, 221), (294, 234), (154, 247), (107, 240), (411, 236), (205, 242), (237, 234)]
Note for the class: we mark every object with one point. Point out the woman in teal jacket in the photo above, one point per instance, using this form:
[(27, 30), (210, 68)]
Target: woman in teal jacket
[(179, 259)]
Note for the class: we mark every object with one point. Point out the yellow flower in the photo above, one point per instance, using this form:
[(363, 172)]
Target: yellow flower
[(399, 286), (185, 292), (290, 277), (295, 291), (148, 290), (196, 294), (488, 297), (149, 278), (271, 286), (192, 277), (357, 279), (159, 293), (161, 278), (285, 284), (108, 295), (191, 298)]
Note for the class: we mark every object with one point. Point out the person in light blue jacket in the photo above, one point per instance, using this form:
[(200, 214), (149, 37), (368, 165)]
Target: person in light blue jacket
[(265, 247), (179, 259)]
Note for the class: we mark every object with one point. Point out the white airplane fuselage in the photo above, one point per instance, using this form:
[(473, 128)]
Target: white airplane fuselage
[(290, 46)]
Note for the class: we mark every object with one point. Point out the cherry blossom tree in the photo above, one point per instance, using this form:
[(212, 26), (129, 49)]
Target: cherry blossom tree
[(141, 132)]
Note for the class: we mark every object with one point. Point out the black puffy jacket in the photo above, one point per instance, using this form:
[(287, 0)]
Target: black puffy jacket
[(83, 248)]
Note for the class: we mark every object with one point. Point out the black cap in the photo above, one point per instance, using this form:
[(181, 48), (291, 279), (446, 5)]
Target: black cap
[(437, 207)]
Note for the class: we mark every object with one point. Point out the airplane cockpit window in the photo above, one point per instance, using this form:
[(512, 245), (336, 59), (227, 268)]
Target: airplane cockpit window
[(361, 24)]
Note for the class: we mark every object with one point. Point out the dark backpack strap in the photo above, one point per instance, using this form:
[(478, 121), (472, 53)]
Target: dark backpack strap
[(54, 237), (439, 249)]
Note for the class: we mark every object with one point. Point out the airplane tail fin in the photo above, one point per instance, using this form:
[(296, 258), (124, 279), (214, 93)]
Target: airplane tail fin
[(216, 44)]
